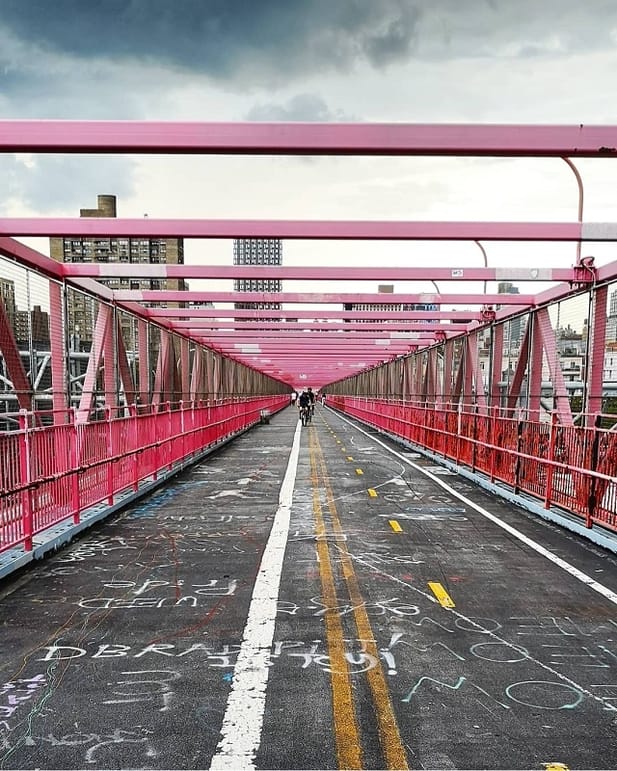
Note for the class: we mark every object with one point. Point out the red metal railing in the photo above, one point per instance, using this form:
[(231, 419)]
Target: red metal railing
[(569, 466), (51, 473)]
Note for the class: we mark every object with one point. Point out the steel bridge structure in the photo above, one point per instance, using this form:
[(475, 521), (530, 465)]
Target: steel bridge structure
[(477, 379)]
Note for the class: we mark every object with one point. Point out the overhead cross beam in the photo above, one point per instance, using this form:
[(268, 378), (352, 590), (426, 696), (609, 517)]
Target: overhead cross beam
[(491, 140), (369, 230), (315, 343)]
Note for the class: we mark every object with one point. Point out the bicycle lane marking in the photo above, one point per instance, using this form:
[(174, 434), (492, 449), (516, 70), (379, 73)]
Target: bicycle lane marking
[(389, 736), (575, 572), (346, 733), (243, 720)]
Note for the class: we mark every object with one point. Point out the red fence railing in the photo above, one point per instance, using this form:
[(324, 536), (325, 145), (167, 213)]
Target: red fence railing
[(571, 466), (51, 473)]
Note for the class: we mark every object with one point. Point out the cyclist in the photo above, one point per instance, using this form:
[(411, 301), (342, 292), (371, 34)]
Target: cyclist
[(304, 405), (311, 396)]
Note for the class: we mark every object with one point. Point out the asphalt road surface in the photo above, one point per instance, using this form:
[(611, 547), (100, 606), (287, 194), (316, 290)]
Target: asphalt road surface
[(313, 598)]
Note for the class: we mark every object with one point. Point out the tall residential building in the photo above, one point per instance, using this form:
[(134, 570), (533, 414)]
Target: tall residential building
[(81, 308), (258, 251)]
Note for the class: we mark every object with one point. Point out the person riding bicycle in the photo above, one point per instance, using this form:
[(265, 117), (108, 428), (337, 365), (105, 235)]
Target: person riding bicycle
[(304, 402), (311, 396)]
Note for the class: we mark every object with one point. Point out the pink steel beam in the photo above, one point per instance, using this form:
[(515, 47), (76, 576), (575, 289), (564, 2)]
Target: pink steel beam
[(543, 326), (30, 258), (99, 347), (167, 295), (315, 315), (49, 136), (57, 350), (386, 348), (303, 326), (596, 354), (302, 335), (308, 229), (307, 273)]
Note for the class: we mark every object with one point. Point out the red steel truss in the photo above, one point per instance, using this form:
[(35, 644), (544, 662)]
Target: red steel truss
[(439, 367), (291, 359)]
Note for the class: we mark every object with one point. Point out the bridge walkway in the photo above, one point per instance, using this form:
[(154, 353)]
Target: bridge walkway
[(312, 598)]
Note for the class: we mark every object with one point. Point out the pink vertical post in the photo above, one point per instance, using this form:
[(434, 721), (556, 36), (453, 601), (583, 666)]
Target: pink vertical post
[(496, 368), (94, 362), (169, 435), (474, 382), (126, 375), (417, 377), (550, 470), (110, 380), (135, 444), (595, 356), (58, 353), (26, 477), (562, 403), (75, 455), (110, 454), (144, 363), (182, 427), (184, 369), (448, 355), (197, 375), (535, 374), (519, 372)]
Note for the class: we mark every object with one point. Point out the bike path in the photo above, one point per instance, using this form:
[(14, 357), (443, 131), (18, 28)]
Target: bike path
[(409, 630)]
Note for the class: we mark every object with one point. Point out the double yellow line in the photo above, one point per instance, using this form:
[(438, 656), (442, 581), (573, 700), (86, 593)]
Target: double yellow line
[(346, 729)]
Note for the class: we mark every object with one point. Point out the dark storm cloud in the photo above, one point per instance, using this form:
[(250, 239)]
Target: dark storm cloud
[(271, 38)]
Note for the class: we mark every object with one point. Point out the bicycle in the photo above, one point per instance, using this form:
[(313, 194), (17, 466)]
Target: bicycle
[(305, 415)]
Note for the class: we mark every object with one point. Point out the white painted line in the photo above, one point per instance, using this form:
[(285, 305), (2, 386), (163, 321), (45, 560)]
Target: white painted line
[(243, 720), (575, 572)]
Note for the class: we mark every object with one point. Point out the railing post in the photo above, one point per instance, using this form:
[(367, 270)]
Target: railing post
[(136, 450), (491, 442), (110, 455), (550, 468), (592, 501), (517, 468), (26, 479), (181, 403), (169, 444), (75, 455), (474, 437), (459, 420)]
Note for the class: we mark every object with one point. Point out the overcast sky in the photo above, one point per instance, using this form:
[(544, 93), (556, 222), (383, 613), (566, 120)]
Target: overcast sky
[(478, 61)]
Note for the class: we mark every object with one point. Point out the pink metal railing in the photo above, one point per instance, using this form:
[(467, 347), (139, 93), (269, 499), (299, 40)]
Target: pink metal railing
[(572, 467), (51, 473)]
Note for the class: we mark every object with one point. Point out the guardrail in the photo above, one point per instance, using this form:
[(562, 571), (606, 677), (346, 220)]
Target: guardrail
[(569, 466), (52, 473)]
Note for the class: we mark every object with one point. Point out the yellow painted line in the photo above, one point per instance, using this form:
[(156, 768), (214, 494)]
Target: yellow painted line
[(389, 736), (555, 767), (443, 598), (372, 493), (359, 471), (346, 732), (349, 457), (395, 526)]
